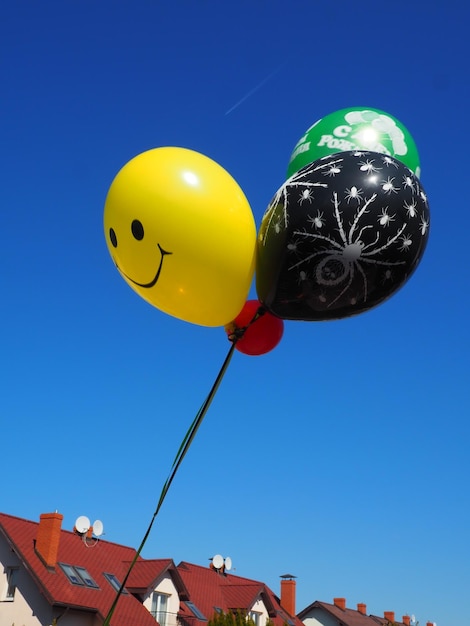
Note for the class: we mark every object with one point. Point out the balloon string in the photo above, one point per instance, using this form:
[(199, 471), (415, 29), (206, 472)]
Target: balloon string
[(184, 447)]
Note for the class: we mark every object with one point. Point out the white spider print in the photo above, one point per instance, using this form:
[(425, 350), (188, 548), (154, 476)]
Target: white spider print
[(368, 166), (281, 198), (388, 186), (385, 219), (332, 171), (408, 183), (317, 221), (423, 225), (389, 161), (293, 247), (277, 227), (307, 194), (341, 260), (410, 209), (406, 242), (353, 194)]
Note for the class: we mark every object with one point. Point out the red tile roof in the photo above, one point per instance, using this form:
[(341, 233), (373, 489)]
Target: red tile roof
[(346, 617), (103, 557), (209, 589), (145, 575)]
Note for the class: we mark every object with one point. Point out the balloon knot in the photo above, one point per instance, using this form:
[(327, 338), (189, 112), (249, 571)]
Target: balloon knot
[(236, 333)]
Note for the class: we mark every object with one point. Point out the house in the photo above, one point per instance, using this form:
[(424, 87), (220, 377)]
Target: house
[(337, 614), (51, 576), (214, 590)]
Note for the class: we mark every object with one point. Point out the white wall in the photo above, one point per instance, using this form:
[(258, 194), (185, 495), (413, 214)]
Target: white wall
[(259, 607), (320, 618), (166, 586), (28, 608)]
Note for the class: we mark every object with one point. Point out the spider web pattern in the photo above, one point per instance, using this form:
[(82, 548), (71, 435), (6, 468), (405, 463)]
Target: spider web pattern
[(298, 181), (354, 227)]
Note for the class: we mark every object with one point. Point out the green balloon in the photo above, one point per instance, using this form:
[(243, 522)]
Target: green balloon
[(357, 128)]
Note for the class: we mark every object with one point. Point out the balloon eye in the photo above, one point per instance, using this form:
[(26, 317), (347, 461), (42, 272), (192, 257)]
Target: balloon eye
[(137, 230), (112, 237)]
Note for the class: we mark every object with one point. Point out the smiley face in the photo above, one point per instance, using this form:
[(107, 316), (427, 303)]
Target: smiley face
[(182, 235), (138, 232)]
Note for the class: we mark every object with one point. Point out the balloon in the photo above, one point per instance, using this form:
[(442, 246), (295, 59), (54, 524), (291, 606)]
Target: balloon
[(341, 236), (259, 335), (182, 234), (356, 128)]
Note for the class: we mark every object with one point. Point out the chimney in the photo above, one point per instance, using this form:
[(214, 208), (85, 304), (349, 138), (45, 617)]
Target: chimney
[(362, 608), (406, 620), (390, 616), (429, 623), (288, 586), (48, 537), (340, 603)]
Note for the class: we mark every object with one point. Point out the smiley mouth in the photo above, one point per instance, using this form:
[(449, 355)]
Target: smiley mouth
[(153, 282)]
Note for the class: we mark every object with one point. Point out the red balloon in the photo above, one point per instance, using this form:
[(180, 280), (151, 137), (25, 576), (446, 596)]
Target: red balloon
[(256, 335)]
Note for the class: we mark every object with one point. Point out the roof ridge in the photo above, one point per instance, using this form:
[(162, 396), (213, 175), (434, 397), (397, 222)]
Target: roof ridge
[(185, 564)]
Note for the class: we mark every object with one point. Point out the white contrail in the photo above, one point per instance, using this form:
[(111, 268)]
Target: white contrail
[(258, 86)]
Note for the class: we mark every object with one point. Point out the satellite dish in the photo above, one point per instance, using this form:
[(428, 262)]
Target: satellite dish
[(82, 524), (228, 563), (98, 528), (218, 561)]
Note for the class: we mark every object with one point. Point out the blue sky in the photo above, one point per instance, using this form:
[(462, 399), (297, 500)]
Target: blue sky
[(340, 457)]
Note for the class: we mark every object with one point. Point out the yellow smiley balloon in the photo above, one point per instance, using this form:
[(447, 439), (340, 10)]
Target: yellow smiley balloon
[(182, 234)]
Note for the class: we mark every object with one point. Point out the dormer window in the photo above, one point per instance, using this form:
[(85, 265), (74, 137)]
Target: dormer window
[(255, 617), (160, 607)]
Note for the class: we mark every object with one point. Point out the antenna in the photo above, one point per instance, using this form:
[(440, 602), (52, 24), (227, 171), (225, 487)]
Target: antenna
[(217, 561), (228, 563), (82, 524), (88, 532), (98, 528)]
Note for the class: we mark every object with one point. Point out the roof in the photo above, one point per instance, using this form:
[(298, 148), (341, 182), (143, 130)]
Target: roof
[(146, 573), (210, 589), (103, 557), (346, 617)]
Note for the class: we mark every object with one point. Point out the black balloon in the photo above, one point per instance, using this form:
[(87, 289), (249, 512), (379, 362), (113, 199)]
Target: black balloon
[(340, 236)]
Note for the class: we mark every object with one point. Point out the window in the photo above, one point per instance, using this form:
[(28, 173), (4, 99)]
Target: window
[(114, 581), (195, 611), (85, 576), (71, 574), (78, 575), (160, 607), (255, 617), (12, 574)]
